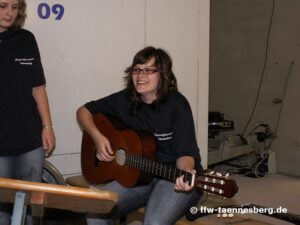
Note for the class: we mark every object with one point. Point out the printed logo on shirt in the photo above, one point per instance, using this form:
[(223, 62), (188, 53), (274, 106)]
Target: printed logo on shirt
[(25, 61), (163, 136)]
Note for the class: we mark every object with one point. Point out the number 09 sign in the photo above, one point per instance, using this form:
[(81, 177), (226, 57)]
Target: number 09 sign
[(45, 10)]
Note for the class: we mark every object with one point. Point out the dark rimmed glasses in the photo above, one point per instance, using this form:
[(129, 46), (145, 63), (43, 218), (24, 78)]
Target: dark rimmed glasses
[(146, 70)]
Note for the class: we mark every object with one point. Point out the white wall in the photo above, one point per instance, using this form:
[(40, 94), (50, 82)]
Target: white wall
[(84, 55)]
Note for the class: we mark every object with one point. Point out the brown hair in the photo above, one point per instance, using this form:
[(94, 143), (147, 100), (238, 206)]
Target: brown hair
[(163, 63), (20, 20)]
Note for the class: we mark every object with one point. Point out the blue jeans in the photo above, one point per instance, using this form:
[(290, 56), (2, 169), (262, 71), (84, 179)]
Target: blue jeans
[(164, 205), (27, 166)]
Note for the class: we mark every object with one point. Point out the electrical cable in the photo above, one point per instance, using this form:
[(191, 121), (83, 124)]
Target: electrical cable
[(263, 70), (281, 106), (256, 169), (253, 170)]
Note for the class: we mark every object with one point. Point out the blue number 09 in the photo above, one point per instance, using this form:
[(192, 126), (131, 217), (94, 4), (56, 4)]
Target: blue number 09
[(44, 11)]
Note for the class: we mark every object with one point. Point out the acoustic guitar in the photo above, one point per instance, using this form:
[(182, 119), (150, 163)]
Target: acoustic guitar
[(135, 163)]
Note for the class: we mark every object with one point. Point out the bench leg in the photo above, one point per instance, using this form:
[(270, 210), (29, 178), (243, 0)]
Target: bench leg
[(20, 208)]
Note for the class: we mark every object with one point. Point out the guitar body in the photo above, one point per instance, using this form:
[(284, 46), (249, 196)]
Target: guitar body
[(135, 154), (120, 137)]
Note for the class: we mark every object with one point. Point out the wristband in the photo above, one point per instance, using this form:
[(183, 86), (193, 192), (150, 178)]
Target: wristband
[(47, 126)]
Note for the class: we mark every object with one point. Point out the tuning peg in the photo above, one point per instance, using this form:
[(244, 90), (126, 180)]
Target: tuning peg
[(219, 174), (227, 175), (211, 172)]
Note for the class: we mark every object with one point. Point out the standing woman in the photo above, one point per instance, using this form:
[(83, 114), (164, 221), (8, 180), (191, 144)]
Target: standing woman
[(26, 131)]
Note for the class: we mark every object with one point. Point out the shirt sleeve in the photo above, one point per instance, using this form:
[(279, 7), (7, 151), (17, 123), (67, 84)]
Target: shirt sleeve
[(108, 105), (185, 138)]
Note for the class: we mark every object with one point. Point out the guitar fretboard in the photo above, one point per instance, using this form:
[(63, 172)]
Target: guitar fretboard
[(156, 168), (167, 172)]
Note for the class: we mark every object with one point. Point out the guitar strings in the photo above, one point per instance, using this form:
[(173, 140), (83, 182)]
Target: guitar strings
[(155, 167), (160, 169), (168, 172)]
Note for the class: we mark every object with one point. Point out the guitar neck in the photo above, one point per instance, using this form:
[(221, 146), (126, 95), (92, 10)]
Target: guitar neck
[(156, 168), (208, 183), (292, 218)]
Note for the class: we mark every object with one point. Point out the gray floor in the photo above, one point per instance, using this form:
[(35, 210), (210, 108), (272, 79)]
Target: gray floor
[(270, 191)]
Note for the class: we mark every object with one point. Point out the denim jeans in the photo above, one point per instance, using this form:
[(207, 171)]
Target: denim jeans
[(27, 166), (164, 205)]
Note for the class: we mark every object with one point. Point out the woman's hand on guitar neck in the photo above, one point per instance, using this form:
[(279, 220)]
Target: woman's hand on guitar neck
[(186, 163), (180, 185), (104, 151)]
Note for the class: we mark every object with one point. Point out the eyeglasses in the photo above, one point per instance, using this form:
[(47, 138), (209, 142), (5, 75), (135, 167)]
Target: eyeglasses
[(146, 70)]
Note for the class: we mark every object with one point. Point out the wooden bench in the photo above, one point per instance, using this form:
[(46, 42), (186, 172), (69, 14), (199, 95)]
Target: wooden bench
[(41, 195), (79, 181), (183, 221)]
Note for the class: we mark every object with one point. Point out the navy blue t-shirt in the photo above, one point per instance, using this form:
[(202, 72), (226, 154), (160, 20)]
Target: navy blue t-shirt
[(171, 123), (20, 71)]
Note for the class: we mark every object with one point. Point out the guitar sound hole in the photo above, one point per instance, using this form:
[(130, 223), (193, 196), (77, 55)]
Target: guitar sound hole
[(120, 157)]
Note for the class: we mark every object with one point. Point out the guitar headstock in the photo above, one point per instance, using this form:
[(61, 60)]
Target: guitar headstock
[(216, 183)]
